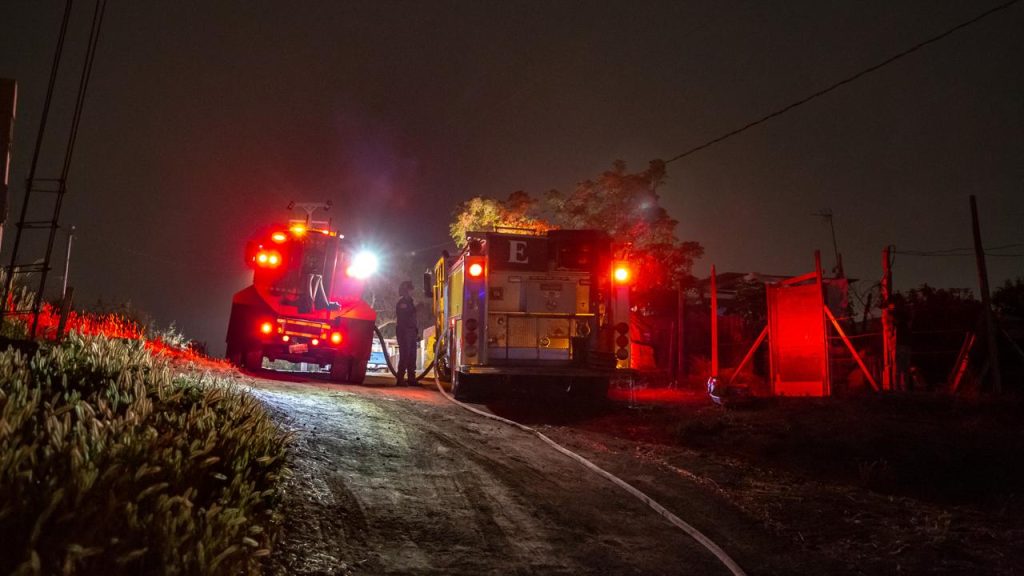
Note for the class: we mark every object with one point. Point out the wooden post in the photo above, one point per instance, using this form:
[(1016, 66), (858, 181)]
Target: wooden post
[(714, 322), (65, 311), (749, 355), (680, 335), (824, 302), (888, 326), (986, 301), (849, 346)]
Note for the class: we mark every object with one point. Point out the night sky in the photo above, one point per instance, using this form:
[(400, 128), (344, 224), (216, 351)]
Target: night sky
[(204, 119)]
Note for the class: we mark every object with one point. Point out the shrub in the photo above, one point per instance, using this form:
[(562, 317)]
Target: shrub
[(109, 462)]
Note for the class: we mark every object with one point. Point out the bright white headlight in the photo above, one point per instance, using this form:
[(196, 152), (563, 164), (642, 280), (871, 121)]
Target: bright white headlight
[(363, 265)]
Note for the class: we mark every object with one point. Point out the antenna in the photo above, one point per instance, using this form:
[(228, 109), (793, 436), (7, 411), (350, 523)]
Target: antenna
[(826, 214)]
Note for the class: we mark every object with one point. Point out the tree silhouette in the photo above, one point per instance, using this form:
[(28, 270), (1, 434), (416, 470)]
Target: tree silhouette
[(624, 204)]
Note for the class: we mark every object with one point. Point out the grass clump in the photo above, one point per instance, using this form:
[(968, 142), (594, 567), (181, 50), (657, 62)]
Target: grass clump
[(111, 463)]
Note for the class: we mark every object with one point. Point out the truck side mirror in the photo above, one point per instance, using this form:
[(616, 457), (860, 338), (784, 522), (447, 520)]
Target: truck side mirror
[(428, 285)]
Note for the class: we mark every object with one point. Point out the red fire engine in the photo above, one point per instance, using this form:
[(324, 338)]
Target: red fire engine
[(305, 302), (541, 307)]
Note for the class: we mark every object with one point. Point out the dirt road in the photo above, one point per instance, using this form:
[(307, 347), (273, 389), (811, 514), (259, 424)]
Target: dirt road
[(401, 481)]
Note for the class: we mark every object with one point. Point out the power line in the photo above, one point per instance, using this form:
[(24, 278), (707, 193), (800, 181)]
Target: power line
[(845, 81)]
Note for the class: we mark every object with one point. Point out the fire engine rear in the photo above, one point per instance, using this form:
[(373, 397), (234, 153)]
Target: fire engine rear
[(548, 307), (305, 302)]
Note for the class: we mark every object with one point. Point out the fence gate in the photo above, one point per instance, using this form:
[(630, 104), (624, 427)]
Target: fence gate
[(798, 342)]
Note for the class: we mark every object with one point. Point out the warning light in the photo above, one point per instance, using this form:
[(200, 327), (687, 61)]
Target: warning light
[(621, 273), (336, 338), (476, 269), (279, 237), (363, 265), (266, 327), (268, 259), (298, 229), (315, 342)]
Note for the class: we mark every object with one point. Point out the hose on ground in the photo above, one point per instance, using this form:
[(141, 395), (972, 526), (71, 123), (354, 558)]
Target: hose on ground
[(387, 357), (665, 513)]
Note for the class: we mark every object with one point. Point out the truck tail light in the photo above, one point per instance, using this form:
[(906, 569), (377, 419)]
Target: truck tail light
[(268, 259), (315, 341), (336, 338), (470, 336), (621, 273), (278, 237), (267, 327)]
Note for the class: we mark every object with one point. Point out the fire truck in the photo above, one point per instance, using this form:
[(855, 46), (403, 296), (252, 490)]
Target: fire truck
[(540, 307), (305, 302)]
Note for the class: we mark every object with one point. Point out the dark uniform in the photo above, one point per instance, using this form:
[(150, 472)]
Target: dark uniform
[(407, 334)]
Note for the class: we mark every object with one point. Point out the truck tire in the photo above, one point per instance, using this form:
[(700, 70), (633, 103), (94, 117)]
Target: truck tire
[(357, 372), (234, 354), (341, 367), (254, 358), (462, 387)]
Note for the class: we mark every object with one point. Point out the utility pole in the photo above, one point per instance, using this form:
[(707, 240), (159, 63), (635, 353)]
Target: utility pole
[(67, 264), (8, 105), (714, 322), (888, 326), (986, 301), (680, 335)]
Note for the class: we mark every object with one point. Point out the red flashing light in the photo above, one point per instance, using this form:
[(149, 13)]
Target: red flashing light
[(476, 269), (278, 237), (336, 338), (621, 273), (268, 259), (266, 327)]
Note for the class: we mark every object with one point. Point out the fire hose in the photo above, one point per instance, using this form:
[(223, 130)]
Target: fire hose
[(387, 357), (665, 513)]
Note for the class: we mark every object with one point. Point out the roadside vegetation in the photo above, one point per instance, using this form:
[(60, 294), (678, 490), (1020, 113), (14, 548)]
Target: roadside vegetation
[(124, 454)]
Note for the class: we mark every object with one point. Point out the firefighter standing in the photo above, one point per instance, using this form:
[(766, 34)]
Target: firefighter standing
[(407, 333)]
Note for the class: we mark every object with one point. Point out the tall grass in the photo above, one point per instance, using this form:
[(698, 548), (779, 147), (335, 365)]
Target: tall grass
[(110, 462)]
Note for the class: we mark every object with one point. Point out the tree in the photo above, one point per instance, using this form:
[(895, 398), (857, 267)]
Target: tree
[(519, 211), (626, 205), (1008, 299), (927, 309)]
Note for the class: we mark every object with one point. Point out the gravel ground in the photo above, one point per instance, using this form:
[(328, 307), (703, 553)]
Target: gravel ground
[(401, 481)]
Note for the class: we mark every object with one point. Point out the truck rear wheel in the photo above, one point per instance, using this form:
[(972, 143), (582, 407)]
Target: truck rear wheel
[(357, 373), (463, 388), (341, 367), (254, 358), (234, 354)]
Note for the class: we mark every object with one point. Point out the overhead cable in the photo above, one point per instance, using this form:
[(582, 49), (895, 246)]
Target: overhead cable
[(846, 80)]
